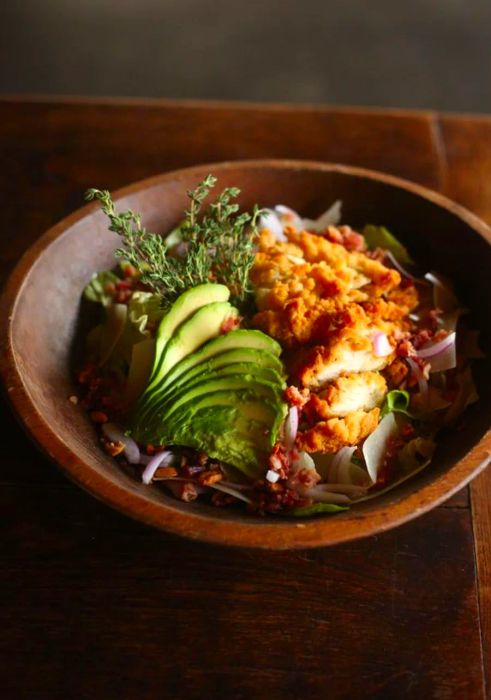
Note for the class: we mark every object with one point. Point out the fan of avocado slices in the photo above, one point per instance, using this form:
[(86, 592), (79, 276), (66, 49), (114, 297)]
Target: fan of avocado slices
[(197, 384), (221, 393)]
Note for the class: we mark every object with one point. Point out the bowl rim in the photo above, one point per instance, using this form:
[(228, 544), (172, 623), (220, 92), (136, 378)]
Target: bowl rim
[(283, 534)]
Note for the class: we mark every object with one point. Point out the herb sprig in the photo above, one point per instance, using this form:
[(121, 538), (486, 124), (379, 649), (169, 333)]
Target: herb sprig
[(216, 245)]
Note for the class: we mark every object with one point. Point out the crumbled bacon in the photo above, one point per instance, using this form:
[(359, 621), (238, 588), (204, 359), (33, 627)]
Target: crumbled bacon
[(297, 397), (230, 324)]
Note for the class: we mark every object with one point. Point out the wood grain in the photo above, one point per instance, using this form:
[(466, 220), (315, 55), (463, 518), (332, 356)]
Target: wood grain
[(468, 156), (107, 608), (95, 605)]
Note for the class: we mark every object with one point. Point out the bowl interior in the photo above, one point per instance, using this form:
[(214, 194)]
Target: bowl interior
[(47, 315)]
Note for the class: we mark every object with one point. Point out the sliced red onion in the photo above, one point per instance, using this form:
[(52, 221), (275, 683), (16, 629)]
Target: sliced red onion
[(375, 446), (231, 491), (115, 434), (271, 222), (291, 427), (418, 374), (272, 476), (442, 354), (158, 460), (381, 345)]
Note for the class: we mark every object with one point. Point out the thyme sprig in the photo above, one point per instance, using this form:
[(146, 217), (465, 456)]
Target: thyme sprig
[(216, 245)]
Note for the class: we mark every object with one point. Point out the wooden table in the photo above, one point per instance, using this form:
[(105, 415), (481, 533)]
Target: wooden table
[(94, 605)]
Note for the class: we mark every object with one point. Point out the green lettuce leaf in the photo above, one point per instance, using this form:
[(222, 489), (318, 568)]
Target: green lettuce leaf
[(96, 289), (113, 341), (380, 237), (317, 509), (396, 401)]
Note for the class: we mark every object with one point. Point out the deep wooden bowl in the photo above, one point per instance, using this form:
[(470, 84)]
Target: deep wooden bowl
[(40, 316)]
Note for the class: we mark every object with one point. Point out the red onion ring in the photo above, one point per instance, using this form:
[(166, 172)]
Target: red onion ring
[(417, 373), (157, 460), (436, 348)]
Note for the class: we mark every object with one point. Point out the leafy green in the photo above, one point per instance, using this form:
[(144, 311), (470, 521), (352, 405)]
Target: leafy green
[(317, 509), (396, 401), (219, 244), (380, 237), (96, 289)]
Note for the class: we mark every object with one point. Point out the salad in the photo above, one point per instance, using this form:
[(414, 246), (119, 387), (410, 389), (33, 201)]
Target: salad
[(271, 362)]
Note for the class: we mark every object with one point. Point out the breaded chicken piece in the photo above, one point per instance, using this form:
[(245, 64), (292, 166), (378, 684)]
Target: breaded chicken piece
[(347, 348), (330, 435), (299, 285), (350, 393)]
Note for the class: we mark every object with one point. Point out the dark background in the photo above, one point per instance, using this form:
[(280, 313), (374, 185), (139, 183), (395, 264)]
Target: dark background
[(412, 53)]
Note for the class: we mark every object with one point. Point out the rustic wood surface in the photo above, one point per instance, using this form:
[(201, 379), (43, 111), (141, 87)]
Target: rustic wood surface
[(97, 606)]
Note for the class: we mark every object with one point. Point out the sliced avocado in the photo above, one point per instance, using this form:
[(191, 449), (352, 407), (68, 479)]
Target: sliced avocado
[(234, 340), (242, 448), (203, 325), (178, 389), (258, 358), (233, 383), (187, 304)]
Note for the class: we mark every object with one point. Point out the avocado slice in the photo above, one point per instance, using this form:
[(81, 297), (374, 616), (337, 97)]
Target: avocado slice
[(217, 363), (204, 373), (200, 327), (232, 446), (189, 302), (234, 340)]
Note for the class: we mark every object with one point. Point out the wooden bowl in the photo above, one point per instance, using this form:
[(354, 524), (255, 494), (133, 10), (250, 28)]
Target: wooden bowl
[(40, 316)]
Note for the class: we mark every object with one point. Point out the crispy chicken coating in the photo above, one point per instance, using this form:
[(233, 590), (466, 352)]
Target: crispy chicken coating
[(301, 284), (331, 435), (354, 392), (326, 304)]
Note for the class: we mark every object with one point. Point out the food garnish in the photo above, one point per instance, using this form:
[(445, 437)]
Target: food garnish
[(286, 365)]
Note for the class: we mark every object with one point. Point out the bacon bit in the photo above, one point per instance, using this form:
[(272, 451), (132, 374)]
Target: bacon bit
[(210, 477), (408, 430), (419, 339), (202, 458), (297, 397), (405, 348), (110, 288), (165, 473), (279, 461), (230, 324), (123, 284), (130, 271), (150, 449), (113, 448), (99, 417), (189, 492)]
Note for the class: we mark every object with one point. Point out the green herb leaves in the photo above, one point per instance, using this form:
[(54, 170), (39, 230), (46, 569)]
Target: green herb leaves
[(217, 245)]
